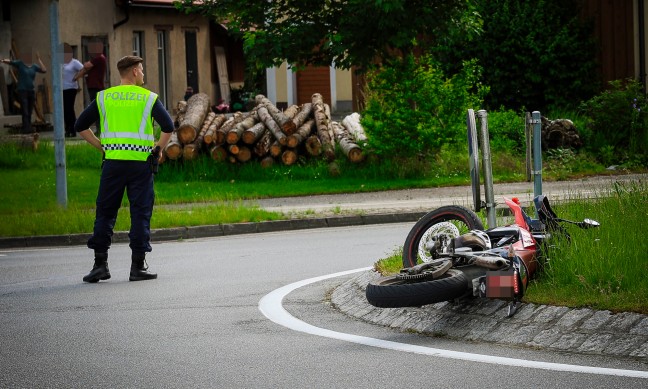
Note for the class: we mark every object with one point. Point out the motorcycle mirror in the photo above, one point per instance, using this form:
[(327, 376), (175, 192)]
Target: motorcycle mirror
[(589, 223)]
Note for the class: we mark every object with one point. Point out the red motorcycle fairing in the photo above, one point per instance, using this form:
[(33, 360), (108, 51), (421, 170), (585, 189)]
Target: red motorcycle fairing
[(514, 205)]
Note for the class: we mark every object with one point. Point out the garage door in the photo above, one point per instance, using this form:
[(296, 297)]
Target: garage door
[(313, 80)]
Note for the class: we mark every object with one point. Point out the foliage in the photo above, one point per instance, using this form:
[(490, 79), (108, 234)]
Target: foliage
[(349, 33), (506, 131), (413, 108), (535, 54), (617, 123)]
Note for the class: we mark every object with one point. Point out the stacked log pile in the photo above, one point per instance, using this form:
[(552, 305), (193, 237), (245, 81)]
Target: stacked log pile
[(266, 134), (559, 133)]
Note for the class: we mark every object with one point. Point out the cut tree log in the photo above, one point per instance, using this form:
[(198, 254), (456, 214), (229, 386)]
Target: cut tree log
[(269, 122), (244, 154), (276, 149), (235, 133), (302, 133), (210, 135), (327, 112), (291, 112), (173, 149), (303, 115), (266, 162), (350, 149), (559, 133), (218, 153), (254, 133), (233, 149), (289, 157), (352, 124), (262, 147), (285, 123), (313, 145), (322, 125), (181, 109), (197, 109), (190, 150)]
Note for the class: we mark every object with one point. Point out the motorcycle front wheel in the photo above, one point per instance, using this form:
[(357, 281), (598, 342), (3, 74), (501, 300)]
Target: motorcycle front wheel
[(440, 225), (396, 292)]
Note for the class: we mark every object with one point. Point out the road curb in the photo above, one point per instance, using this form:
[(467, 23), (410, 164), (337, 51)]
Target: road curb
[(206, 231), (580, 330)]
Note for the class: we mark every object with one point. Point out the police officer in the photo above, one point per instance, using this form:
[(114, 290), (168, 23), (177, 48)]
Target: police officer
[(125, 115)]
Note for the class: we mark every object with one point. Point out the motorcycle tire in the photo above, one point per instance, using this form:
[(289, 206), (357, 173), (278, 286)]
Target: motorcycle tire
[(392, 292), (450, 219)]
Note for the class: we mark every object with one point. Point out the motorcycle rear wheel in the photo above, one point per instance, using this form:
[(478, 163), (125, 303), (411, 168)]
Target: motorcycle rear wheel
[(392, 292), (450, 220)]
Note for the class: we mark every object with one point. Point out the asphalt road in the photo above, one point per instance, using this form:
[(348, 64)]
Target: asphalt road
[(200, 324)]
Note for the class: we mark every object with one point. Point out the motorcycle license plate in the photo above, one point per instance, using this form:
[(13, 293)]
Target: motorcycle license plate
[(500, 284)]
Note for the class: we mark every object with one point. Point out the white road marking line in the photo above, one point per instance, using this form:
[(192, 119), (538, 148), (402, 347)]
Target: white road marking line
[(271, 306)]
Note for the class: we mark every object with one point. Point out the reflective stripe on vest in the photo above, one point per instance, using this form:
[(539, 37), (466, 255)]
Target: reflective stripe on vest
[(126, 123)]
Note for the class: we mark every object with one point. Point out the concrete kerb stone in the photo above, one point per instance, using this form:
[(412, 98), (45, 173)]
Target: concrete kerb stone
[(538, 326), (344, 221)]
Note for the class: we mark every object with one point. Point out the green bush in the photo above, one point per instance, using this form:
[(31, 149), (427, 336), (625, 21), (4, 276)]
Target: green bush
[(617, 124), (413, 108), (506, 131)]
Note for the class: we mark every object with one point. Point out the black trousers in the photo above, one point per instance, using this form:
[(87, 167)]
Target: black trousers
[(136, 179), (27, 100), (69, 116)]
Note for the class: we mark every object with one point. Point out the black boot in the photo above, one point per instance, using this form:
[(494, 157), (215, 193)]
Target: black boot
[(139, 269), (99, 270)]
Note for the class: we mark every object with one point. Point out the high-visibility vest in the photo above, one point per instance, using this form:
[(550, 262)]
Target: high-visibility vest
[(126, 123)]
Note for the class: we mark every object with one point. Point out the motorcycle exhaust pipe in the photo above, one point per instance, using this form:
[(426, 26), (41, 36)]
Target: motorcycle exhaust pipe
[(493, 263)]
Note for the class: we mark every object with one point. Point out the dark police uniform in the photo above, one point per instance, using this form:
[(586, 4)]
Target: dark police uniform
[(125, 114)]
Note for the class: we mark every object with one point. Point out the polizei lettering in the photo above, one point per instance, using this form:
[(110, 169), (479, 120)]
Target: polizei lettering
[(125, 96)]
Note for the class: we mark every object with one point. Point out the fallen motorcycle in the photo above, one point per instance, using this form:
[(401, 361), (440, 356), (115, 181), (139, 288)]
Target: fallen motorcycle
[(448, 255)]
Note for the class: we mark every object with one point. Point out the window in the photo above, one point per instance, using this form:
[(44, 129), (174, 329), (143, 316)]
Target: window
[(138, 43)]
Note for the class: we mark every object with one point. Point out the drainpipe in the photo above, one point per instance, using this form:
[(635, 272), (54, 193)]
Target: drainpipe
[(125, 6)]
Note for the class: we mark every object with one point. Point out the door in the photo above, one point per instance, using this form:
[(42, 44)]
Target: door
[(313, 80), (191, 55)]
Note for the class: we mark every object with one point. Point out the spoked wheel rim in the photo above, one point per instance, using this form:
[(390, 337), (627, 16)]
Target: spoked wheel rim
[(444, 232)]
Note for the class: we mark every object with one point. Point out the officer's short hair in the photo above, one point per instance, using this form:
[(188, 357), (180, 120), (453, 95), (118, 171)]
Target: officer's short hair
[(126, 62)]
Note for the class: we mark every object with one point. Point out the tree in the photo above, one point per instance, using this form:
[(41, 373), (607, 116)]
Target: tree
[(349, 33), (535, 54)]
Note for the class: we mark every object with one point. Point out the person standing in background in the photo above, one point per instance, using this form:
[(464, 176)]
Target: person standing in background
[(95, 69), (26, 74), (71, 67)]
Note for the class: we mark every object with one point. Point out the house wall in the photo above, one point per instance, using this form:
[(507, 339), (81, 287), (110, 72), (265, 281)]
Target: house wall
[(150, 21)]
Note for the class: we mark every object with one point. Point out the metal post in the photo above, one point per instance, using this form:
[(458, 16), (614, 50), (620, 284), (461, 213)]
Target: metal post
[(527, 136), (537, 154), (57, 91), (473, 155), (488, 169)]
